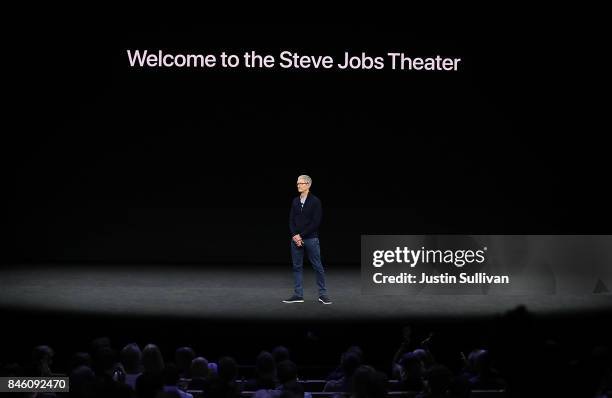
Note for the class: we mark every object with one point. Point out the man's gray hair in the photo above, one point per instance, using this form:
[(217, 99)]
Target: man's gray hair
[(306, 178)]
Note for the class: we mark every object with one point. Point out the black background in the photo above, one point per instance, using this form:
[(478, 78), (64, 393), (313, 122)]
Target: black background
[(108, 164)]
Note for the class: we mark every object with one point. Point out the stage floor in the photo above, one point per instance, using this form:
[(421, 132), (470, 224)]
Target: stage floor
[(241, 292)]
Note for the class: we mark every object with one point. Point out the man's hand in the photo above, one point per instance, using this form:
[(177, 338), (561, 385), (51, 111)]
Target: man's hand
[(298, 240)]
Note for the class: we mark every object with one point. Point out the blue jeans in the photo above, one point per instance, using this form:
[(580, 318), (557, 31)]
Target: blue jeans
[(313, 250)]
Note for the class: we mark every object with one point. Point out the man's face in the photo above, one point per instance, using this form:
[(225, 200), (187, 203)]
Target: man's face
[(302, 185)]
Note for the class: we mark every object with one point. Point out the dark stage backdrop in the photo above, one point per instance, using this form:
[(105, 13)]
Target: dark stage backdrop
[(108, 164)]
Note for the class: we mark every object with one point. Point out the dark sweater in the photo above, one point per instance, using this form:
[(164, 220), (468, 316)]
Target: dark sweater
[(305, 221)]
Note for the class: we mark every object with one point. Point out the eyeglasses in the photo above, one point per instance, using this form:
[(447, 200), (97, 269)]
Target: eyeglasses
[(302, 183)]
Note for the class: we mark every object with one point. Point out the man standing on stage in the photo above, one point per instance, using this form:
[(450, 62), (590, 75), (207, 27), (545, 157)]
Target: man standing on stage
[(304, 221)]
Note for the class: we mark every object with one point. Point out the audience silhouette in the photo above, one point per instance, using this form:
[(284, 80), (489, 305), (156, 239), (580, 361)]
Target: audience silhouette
[(546, 370)]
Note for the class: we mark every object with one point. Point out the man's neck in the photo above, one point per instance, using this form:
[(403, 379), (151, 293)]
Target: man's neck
[(304, 194)]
